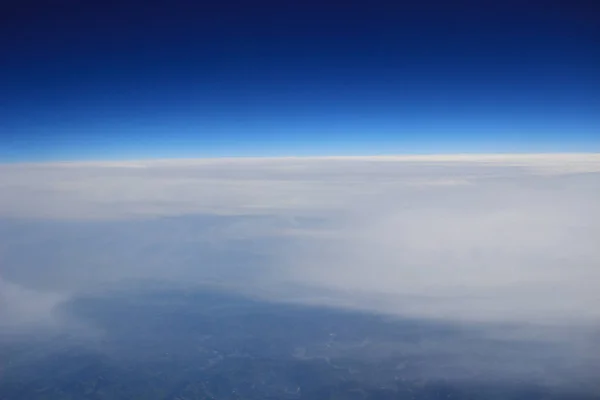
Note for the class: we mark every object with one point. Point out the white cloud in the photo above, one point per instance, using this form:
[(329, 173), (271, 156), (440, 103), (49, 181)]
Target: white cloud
[(501, 238), (20, 306)]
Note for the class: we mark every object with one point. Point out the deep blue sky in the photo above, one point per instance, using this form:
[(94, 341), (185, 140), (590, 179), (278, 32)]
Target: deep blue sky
[(118, 79)]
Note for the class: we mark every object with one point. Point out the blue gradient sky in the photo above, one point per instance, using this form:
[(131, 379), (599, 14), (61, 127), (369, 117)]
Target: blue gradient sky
[(189, 79)]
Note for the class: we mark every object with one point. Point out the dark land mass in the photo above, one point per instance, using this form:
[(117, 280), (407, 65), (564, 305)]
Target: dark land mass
[(206, 344)]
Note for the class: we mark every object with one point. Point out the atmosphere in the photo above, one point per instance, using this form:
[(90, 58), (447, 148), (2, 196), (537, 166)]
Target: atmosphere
[(133, 80), (300, 200)]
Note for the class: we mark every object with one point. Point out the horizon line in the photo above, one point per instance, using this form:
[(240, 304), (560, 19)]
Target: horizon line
[(423, 157)]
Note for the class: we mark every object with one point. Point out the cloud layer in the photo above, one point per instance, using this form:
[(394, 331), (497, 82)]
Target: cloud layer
[(478, 238)]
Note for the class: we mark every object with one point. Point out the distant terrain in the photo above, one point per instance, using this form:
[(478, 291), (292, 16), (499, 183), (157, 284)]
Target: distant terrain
[(206, 344)]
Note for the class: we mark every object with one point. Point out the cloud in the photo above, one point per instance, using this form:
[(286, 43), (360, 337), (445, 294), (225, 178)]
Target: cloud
[(506, 238), (22, 307)]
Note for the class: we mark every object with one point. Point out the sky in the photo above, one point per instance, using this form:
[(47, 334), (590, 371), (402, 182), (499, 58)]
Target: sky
[(180, 123), (122, 80)]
